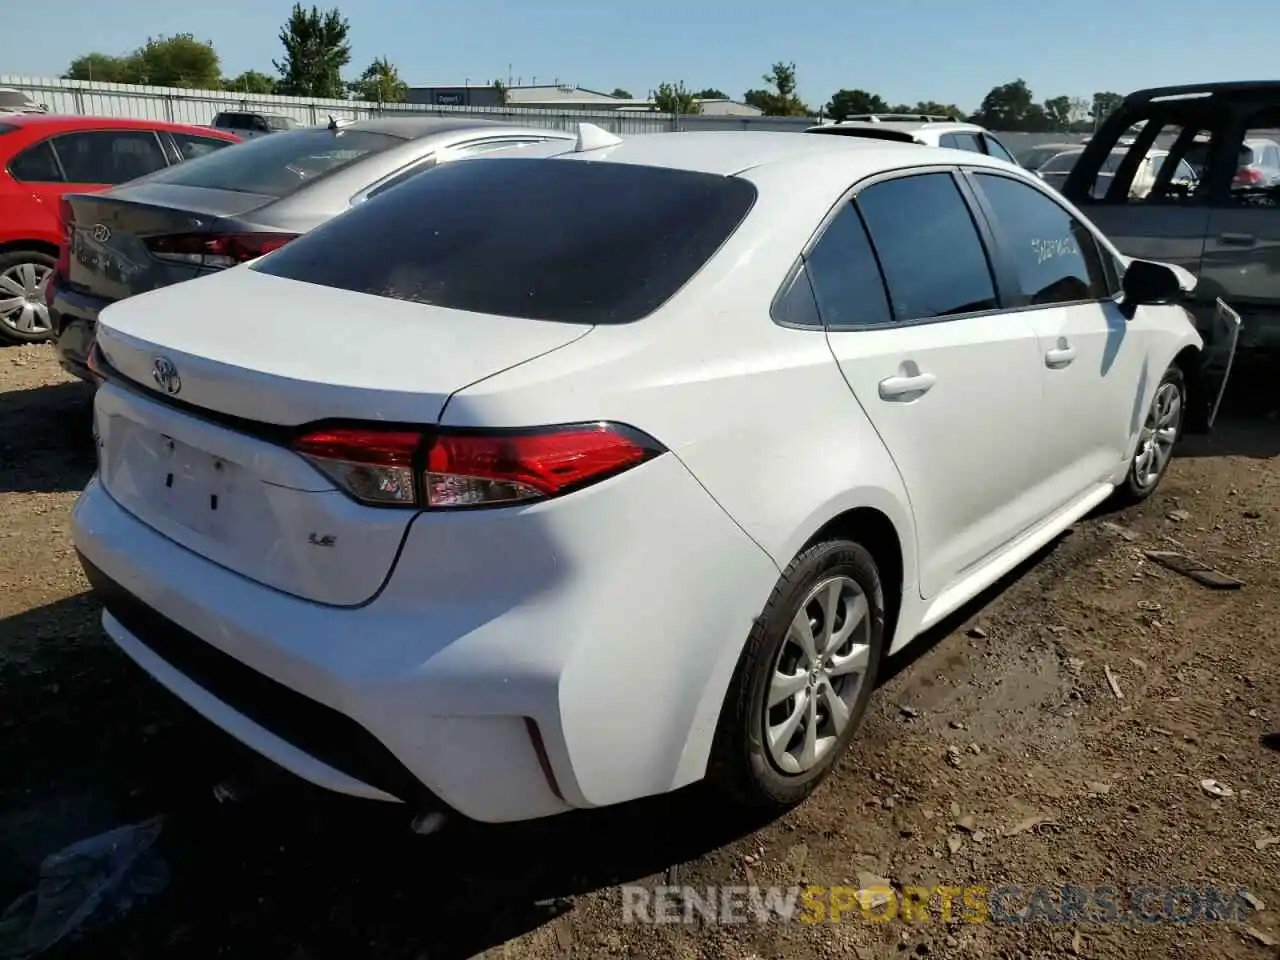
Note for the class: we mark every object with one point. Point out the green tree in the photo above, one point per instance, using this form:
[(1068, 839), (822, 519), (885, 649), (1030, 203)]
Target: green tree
[(315, 51), (781, 101), (251, 81), (177, 61), (380, 83), (500, 89), (674, 98), (1104, 104), (847, 103), (1058, 112), (621, 94), (931, 108), (99, 66), (1010, 106), (711, 93)]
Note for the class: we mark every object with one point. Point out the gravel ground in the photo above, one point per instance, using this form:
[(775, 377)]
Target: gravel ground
[(997, 753)]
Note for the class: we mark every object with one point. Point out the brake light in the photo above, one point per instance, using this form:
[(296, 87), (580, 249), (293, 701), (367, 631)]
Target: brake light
[(472, 468), (67, 225), (1246, 176), (216, 249)]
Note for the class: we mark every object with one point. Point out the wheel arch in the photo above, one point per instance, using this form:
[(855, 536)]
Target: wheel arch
[(39, 246)]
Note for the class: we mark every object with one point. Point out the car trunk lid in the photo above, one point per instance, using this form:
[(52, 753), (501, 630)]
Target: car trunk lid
[(213, 378), (109, 256)]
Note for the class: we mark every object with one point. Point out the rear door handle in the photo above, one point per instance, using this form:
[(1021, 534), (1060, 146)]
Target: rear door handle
[(1238, 239), (895, 388), (1059, 357)]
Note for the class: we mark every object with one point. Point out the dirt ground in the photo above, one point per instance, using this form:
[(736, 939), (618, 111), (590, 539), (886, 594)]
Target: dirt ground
[(1003, 718)]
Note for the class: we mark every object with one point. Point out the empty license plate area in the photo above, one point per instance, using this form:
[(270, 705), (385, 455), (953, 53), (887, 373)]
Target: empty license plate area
[(165, 476)]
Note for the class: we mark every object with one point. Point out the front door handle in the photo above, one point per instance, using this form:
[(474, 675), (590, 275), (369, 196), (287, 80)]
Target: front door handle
[(896, 388), (1238, 239), (1059, 357)]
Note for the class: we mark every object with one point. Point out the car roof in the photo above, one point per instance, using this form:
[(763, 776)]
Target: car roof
[(412, 128), (820, 164), (58, 122), (905, 126)]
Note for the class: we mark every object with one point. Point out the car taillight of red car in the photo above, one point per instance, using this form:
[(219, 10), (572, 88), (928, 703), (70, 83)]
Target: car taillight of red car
[(1247, 177)]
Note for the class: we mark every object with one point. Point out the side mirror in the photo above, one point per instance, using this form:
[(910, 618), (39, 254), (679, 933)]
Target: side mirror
[(1146, 282)]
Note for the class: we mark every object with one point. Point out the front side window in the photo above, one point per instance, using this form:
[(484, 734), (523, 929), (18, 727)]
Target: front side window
[(961, 141), (109, 156), (930, 250), (1054, 255), (531, 238), (192, 146)]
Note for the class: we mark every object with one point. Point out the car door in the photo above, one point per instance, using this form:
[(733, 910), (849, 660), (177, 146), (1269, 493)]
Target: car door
[(1242, 245), (950, 382), (1094, 362)]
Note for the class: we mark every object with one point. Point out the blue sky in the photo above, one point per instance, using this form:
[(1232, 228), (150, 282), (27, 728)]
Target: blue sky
[(906, 50)]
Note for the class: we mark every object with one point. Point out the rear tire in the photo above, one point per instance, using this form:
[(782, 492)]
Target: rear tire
[(774, 757), (1161, 430), (24, 317)]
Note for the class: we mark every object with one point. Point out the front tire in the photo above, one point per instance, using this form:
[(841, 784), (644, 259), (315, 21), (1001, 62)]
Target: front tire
[(1161, 429), (24, 317), (804, 678)]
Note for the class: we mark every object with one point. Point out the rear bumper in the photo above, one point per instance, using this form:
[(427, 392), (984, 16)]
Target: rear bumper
[(74, 317), (596, 678)]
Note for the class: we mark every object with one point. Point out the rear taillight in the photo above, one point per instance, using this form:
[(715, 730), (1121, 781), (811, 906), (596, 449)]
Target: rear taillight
[(215, 250), (66, 225), (1247, 176), (463, 468)]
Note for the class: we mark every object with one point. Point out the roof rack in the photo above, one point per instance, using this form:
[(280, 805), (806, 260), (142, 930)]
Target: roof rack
[(910, 117)]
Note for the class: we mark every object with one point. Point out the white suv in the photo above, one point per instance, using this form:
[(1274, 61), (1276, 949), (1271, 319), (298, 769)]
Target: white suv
[(932, 131)]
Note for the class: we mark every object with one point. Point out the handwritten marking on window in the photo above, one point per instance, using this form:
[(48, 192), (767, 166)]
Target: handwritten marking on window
[(1054, 247)]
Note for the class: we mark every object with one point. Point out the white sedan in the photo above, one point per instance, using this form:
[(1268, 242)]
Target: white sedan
[(547, 483)]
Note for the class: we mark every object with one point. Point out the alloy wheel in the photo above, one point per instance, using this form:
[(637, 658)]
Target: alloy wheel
[(1159, 433), (818, 673), (22, 306)]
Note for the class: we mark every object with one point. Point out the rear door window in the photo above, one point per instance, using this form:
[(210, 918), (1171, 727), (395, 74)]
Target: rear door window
[(109, 156), (281, 164), (930, 249), (541, 239), (36, 164)]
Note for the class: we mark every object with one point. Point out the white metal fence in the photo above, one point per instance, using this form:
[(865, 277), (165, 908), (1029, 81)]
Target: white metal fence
[(178, 105)]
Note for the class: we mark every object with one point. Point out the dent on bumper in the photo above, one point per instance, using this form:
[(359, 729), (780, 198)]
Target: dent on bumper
[(615, 634)]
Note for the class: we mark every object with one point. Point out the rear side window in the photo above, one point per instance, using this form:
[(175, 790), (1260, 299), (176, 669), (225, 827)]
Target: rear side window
[(843, 273), (109, 156), (996, 149), (961, 141), (932, 255), (1055, 256), (36, 164), (562, 240), (278, 165)]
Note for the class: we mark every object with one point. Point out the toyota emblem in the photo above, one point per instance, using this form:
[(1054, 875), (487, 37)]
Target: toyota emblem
[(100, 233), (165, 374)]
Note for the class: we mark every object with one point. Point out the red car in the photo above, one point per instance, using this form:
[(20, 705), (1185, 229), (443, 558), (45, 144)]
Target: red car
[(43, 157)]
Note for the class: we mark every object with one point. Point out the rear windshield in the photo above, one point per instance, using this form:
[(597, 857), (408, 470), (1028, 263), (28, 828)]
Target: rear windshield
[(277, 166), (1063, 162), (545, 239)]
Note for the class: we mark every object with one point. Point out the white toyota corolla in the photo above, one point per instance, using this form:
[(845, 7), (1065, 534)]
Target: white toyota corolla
[(550, 483)]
